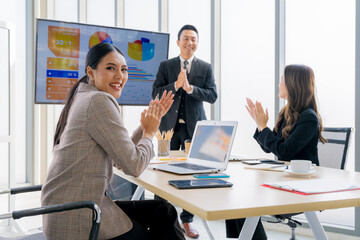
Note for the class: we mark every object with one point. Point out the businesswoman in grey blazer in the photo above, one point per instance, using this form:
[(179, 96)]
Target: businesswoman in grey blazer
[(297, 130), (89, 140)]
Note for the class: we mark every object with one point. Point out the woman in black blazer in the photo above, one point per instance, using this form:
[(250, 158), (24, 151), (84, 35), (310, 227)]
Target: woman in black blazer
[(296, 132)]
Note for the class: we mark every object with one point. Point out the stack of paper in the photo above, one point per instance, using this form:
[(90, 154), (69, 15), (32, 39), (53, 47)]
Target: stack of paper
[(313, 186)]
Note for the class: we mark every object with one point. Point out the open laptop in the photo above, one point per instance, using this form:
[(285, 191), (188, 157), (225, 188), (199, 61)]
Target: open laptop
[(210, 149)]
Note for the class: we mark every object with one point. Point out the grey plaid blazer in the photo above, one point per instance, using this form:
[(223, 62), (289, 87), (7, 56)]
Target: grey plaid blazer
[(93, 140)]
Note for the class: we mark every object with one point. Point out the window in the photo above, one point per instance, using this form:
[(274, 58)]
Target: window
[(327, 44), (134, 9), (247, 66), (180, 14), (101, 13), (18, 107)]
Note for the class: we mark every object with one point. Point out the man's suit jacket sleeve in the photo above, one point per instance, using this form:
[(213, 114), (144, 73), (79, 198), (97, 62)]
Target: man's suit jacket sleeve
[(162, 83), (207, 92)]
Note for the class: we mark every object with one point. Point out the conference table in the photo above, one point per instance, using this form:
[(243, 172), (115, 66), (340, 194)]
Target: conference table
[(247, 198)]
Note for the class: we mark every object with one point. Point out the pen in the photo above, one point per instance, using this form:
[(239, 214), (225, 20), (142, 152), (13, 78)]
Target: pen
[(277, 166), (285, 187)]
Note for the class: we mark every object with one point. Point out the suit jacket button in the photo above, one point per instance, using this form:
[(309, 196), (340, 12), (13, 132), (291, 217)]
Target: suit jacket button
[(176, 111)]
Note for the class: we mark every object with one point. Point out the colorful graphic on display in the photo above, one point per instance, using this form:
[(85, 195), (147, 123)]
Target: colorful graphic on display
[(61, 49), (135, 73), (58, 88), (63, 63), (64, 42), (99, 37), (141, 50), (62, 73), (137, 91)]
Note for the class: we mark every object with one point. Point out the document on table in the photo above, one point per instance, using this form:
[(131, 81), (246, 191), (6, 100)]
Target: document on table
[(159, 160), (313, 186)]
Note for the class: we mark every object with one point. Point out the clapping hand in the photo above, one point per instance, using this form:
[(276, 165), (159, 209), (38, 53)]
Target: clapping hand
[(257, 113), (186, 86), (150, 119), (182, 78), (166, 101)]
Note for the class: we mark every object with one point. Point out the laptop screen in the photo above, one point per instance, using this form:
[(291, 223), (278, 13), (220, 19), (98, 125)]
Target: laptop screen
[(211, 142)]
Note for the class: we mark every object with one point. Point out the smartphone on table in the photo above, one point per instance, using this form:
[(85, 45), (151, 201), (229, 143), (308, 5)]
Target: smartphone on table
[(211, 175)]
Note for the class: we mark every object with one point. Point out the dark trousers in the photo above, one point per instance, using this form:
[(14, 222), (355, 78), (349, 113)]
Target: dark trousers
[(185, 216), (177, 142), (152, 219), (180, 135), (234, 226)]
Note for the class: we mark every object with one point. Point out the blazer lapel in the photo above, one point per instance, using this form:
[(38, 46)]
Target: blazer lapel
[(177, 68)]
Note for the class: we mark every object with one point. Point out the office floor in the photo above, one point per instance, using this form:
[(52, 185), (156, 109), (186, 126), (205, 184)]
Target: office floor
[(274, 231)]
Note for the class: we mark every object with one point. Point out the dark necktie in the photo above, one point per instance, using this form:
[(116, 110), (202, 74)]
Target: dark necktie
[(185, 67)]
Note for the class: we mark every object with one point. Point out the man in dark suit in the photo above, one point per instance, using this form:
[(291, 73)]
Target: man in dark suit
[(192, 82)]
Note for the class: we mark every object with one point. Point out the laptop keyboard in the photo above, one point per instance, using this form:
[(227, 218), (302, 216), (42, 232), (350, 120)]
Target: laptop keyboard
[(191, 166)]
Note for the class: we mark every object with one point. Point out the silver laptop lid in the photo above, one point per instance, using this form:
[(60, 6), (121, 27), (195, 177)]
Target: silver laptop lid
[(211, 143)]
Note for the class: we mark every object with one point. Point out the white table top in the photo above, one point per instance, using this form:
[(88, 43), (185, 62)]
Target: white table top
[(247, 197)]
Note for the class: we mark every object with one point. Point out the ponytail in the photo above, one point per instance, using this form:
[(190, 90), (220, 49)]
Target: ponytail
[(65, 112)]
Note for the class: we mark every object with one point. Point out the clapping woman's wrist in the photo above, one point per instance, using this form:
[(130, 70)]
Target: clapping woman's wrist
[(260, 128)]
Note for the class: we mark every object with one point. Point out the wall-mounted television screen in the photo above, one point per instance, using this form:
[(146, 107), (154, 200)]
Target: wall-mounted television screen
[(61, 49)]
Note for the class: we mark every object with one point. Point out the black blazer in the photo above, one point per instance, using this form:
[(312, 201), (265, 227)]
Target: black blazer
[(204, 89), (301, 143)]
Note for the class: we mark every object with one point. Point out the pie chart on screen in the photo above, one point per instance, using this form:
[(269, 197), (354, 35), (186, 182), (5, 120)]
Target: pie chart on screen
[(99, 37)]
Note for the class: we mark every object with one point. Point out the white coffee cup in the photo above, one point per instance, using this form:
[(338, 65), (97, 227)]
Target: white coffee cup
[(300, 166)]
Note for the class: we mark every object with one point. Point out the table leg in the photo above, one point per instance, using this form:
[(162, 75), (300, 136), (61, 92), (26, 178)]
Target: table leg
[(315, 226), (248, 228), (137, 194), (207, 228)]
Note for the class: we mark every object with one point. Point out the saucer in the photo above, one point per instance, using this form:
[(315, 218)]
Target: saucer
[(309, 173)]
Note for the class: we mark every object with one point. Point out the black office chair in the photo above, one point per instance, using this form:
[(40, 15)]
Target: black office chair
[(331, 154), (96, 213)]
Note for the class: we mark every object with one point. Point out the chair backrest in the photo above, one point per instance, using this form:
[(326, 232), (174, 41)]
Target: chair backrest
[(333, 153)]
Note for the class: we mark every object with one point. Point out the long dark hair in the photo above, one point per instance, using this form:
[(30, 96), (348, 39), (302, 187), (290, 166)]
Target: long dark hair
[(300, 83), (93, 58)]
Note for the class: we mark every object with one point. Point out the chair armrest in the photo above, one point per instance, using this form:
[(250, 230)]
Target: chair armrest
[(26, 189), (60, 208), (33, 188)]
